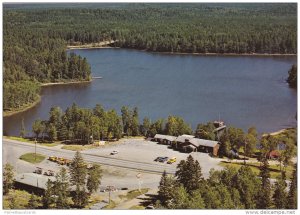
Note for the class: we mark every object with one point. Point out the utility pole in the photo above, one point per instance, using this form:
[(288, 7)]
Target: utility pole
[(35, 149)]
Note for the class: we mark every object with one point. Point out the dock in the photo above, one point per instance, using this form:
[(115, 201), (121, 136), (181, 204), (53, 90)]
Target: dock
[(97, 77)]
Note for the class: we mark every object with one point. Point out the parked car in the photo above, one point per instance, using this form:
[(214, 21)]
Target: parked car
[(163, 159), (172, 160), (114, 152), (49, 173), (38, 170), (52, 158), (158, 159)]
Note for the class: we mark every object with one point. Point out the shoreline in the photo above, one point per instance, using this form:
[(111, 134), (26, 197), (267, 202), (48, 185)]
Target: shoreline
[(27, 107), (65, 83), (31, 105), (179, 53)]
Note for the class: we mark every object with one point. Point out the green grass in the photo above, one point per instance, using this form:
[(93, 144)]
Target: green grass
[(21, 198), (19, 139), (274, 169), (30, 157), (78, 147), (134, 193), (137, 207), (32, 141)]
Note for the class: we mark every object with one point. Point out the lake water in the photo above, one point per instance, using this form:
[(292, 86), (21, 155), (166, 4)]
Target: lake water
[(244, 90)]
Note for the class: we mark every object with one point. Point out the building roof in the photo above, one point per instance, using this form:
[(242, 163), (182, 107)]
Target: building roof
[(33, 179), (184, 137), (165, 137), (201, 142)]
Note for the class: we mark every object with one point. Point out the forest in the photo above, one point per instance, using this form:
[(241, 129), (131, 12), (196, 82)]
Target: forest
[(229, 188), (35, 39)]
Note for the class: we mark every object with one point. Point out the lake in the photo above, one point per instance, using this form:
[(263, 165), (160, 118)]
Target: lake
[(243, 90)]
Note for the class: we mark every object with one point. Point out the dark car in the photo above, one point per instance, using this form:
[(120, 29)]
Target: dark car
[(157, 159), (163, 159)]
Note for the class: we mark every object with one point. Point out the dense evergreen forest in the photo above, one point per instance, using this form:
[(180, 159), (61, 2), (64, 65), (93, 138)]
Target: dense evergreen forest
[(35, 39)]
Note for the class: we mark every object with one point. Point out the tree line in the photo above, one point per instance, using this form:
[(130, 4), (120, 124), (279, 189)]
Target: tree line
[(226, 189), (82, 125), (71, 188)]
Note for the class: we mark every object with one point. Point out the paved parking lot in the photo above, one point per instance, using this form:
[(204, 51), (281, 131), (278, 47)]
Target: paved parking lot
[(147, 151)]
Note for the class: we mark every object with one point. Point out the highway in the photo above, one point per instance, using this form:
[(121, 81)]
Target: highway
[(156, 168)]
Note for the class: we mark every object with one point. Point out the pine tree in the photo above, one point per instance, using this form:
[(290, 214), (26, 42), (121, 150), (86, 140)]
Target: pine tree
[(47, 198), (94, 178), (78, 170), (247, 183), (280, 194), (196, 201), (33, 202), (78, 173), (264, 198), (8, 178), (180, 198), (61, 187), (166, 189), (189, 174), (80, 197), (292, 195)]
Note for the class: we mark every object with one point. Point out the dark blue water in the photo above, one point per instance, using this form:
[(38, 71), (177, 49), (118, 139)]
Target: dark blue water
[(244, 90)]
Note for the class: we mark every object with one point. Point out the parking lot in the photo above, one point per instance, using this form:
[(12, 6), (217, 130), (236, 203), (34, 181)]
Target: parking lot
[(140, 150)]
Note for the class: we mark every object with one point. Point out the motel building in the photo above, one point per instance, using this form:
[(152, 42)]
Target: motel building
[(188, 143)]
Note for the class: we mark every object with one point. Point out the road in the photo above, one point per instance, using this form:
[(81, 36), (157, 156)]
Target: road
[(103, 160)]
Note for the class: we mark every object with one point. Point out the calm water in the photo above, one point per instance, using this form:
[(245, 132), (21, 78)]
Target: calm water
[(245, 90)]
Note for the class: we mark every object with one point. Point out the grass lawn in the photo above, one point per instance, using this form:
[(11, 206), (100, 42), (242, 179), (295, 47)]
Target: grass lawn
[(30, 157), (274, 169), (134, 193), (21, 199), (32, 141), (78, 147)]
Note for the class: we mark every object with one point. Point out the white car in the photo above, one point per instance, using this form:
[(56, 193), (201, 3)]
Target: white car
[(114, 152)]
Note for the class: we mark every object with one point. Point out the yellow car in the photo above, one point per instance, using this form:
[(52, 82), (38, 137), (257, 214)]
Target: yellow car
[(172, 160), (53, 158)]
